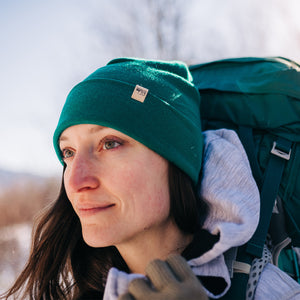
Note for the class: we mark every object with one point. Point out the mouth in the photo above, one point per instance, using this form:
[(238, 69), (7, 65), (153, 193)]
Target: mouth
[(90, 211)]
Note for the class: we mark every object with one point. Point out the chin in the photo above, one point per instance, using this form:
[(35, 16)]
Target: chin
[(95, 243), (94, 240)]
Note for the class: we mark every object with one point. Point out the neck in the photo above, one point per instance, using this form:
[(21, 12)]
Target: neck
[(152, 245)]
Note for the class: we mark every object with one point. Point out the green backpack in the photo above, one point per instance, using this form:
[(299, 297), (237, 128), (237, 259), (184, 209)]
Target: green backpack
[(259, 98)]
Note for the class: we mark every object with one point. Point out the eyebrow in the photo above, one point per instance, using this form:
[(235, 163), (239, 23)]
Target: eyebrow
[(93, 129)]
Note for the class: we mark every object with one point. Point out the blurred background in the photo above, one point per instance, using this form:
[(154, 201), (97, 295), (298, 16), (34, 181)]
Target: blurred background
[(48, 46)]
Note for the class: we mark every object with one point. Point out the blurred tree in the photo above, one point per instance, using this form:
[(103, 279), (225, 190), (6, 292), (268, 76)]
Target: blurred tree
[(167, 18), (196, 31), (145, 28)]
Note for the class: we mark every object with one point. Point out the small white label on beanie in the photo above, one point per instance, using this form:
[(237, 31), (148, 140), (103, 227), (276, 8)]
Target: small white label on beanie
[(139, 93)]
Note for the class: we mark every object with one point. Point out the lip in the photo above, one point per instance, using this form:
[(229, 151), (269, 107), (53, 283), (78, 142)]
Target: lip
[(86, 211)]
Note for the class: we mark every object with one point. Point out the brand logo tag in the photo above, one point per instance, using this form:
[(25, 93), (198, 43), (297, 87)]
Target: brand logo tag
[(139, 93)]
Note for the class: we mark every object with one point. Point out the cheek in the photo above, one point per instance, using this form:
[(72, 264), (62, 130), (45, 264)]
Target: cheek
[(149, 192), (158, 206)]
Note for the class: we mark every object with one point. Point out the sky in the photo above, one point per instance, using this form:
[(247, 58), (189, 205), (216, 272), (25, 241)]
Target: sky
[(44, 52), (48, 46)]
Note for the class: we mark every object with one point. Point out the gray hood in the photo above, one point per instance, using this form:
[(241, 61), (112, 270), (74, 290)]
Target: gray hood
[(230, 190)]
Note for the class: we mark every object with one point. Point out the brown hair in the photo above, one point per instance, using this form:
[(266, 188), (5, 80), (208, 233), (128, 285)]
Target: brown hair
[(62, 266)]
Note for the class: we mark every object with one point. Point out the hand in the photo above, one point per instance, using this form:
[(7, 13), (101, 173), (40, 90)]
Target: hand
[(170, 279)]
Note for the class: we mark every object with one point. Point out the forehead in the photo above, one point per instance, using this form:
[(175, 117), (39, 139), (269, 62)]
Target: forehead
[(87, 128)]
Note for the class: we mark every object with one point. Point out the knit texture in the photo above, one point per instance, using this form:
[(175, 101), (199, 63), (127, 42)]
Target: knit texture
[(166, 118)]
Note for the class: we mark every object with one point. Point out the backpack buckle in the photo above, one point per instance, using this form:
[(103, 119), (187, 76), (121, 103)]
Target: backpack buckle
[(280, 153)]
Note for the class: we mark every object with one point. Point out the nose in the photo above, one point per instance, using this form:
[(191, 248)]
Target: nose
[(80, 175)]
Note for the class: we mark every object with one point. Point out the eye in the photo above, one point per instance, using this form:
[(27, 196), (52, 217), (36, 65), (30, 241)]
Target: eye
[(110, 144), (67, 153)]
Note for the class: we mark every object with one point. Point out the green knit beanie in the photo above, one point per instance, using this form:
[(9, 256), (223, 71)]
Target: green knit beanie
[(154, 102)]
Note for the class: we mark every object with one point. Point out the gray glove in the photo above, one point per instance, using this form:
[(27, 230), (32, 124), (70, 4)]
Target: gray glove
[(170, 279)]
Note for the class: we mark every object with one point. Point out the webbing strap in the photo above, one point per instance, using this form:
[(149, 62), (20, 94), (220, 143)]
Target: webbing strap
[(280, 153), (246, 136)]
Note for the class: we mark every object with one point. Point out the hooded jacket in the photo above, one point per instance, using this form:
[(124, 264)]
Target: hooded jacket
[(231, 192)]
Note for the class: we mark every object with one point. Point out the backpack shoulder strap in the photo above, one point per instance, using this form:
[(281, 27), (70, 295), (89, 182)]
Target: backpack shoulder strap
[(281, 152)]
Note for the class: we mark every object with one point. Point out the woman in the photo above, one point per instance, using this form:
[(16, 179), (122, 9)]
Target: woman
[(132, 197)]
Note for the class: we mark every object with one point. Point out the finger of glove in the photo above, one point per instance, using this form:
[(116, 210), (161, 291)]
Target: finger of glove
[(180, 268), (160, 274), (189, 280), (140, 289), (126, 296)]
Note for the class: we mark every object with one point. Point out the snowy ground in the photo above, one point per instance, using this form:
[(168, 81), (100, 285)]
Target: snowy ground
[(14, 250)]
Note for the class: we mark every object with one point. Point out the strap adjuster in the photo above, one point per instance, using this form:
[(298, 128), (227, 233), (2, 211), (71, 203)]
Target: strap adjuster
[(241, 267), (280, 153)]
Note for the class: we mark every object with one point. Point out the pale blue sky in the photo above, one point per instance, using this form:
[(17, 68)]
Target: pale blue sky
[(48, 46), (44, 51)]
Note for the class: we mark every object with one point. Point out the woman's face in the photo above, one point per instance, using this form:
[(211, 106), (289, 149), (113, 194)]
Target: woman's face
[(117, 186)]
